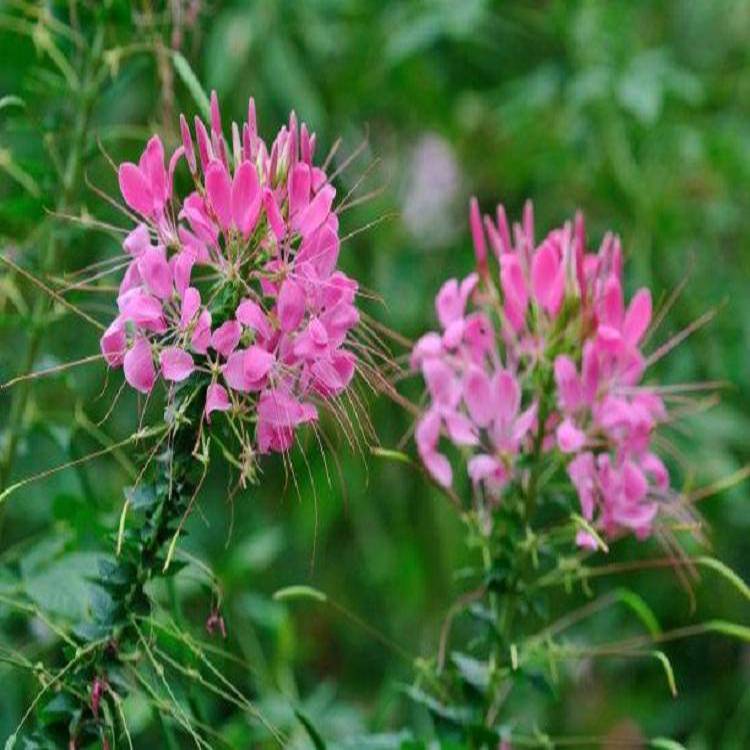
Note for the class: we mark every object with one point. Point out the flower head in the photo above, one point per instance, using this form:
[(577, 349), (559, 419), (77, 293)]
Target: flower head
[(233, 287), (540, 362)]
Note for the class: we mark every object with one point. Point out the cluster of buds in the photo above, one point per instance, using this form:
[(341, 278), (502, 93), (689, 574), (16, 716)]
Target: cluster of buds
[(541, 362), (236, 286)]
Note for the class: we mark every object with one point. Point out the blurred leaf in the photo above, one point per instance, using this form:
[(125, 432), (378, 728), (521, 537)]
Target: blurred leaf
[(312, 732), (62, 588), (638, 604), (182, 66)]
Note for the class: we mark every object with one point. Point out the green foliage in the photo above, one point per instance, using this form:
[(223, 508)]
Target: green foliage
[(635, 112)]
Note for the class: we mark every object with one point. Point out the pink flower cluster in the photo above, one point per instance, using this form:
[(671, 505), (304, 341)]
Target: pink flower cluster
[(542, 362), (236, 285)]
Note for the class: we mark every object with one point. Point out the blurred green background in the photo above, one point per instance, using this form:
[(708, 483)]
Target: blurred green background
[(636, 112)]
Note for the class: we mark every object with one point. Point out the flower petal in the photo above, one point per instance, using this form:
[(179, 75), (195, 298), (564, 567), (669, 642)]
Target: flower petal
[(176, 364)]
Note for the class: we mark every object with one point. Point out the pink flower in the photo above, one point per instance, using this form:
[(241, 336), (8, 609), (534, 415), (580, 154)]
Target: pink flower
[(176, 364), (488, 374), (259, 219), (237, 202), (217, 399), (145, 186), (226, 337), (113, 343), (139, 366)]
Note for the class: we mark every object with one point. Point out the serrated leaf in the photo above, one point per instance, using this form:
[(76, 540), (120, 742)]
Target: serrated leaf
[(141, 497)]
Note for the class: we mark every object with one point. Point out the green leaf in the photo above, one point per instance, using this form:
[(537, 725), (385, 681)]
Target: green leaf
[(11, 101), (182, 66), (642, 610), (141, 497), (726, 572), (299, 592), (63, 588), (312, 732), (664, 743), (664, 659), (474, 672), (729, 628), (392, 455), (460, 715)]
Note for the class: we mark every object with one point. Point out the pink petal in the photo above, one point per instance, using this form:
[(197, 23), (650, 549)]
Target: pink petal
[(317, 212), (477, 233), (638, 317), (547, 278), (280, 409), (448, 303), (461, 429), (176, 364), (139, 366), (299, 189), (135, 189), (250, 314), (152, 167), (442, 383), (478, 396), (191, 301), (439, 467), (156, 272), (655, 469), (569, 388), (611, 307), (215, 116), (217, 399), (524, 423), (142, 309), (273, 214), (513, 285), (113, 343), (291, 305), (234, 372), (569, 438), (219, 190), (257, 363), (201, 337), (483, 468), (137, 241), (246, 198), (427, 433), (586, 540), (430, 345), (182, 269), (226, 337), (187, 144), (204, 143), (507, 396)]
